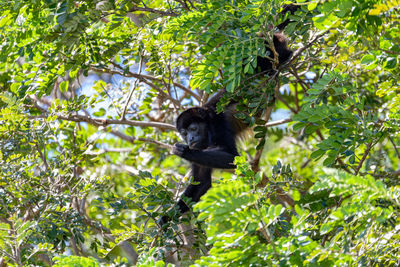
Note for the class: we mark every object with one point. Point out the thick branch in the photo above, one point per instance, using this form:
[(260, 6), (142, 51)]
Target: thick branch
[(183, 3), (109, 150), (105, 122), (256, 161)]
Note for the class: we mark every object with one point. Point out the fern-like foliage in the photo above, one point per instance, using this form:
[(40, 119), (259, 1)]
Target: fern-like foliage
[(227, 36)]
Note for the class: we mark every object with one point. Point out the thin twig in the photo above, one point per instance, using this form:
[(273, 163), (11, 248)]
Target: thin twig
[(133, 89), (300, 81), (394, 146), (264, 230), (42, 155), (144, 77), (366, 152), (152, 10), (152, 85), (279, 97), (183, 3), (382, 174), (256, 161), (297, 53), (132, 139), (274, 123), (106, 233), (296, 98)]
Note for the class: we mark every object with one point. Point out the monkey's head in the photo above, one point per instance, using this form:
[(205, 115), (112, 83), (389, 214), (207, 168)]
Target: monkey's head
[(192, 125)]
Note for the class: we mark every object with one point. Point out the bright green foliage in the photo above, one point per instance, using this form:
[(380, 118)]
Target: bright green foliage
[(75, 261), (148, 260), (89, 94), (335, 223), (363, 229), (238, 221)]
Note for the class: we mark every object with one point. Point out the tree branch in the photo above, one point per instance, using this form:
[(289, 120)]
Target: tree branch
[(274, 123), (141, 77), (132, 90), (132, 139), (109, 150), (280, 98), (152, 85), (183, 3), (106, 233), (152, 10), (105, 122), (300, 81), (297, 53), (394, 146), (366, 152)]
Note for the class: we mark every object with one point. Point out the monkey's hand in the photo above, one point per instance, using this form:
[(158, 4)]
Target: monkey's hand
[(180, 149)]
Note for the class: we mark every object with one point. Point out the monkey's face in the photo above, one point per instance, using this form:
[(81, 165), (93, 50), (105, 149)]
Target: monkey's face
[(195, 135)]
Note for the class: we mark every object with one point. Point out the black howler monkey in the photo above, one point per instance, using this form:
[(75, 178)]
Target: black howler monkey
[(210, 143), (210, 136)]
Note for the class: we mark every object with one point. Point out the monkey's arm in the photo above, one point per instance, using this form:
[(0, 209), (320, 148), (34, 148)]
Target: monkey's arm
[(211, 157)]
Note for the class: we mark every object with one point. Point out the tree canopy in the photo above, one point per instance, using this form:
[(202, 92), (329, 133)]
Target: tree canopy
[(89, 94)]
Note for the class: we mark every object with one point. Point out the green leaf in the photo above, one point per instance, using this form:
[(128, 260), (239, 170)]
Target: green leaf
[(329, 161), (368, 59), (296, 195), (262, 129), (15, 87), (258, 177), (6, 19), (299, 126), (100, 113), (352, 159), (279, 209), (231, 86), (318, 153), (326, 228), (311, 128), (390, 63), (311, 6), (64, 86), (73, 72)]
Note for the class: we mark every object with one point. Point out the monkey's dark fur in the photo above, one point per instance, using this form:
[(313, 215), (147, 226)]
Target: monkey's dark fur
[(279, 40), (264, 65), (210, 136)]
